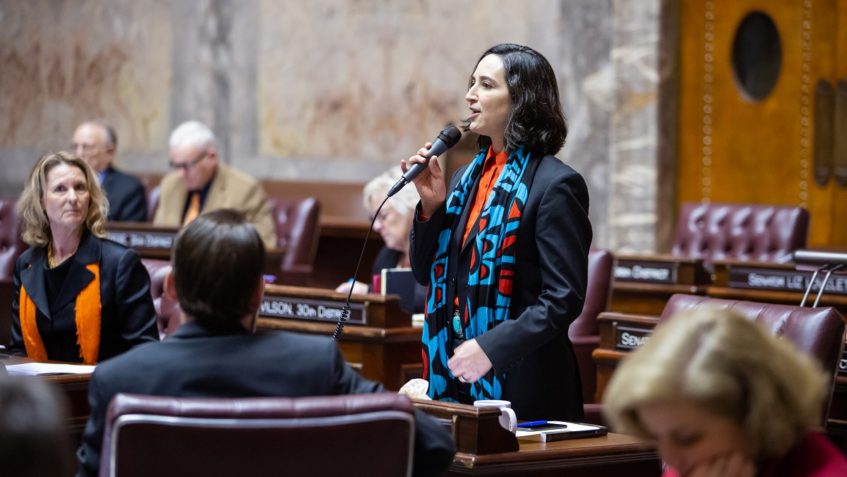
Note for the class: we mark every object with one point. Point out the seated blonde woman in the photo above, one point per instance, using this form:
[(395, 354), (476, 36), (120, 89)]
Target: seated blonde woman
[(79, 297), (724, 397), (393, 224)]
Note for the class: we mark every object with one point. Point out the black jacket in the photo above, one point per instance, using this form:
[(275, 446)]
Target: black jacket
[(198, 362), (127, 316), (127, 197), (533, 347)]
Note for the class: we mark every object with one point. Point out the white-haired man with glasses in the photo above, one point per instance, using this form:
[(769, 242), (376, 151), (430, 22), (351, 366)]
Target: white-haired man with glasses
[(200, 183)]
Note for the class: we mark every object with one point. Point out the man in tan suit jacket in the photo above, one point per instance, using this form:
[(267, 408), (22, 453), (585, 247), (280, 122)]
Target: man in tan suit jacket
[(200, 183)]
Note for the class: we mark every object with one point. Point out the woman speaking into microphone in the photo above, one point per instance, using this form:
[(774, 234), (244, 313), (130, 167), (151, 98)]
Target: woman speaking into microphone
[(504, 247)]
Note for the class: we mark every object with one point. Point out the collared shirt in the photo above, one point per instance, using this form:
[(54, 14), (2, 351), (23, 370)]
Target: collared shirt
[(491, 169)]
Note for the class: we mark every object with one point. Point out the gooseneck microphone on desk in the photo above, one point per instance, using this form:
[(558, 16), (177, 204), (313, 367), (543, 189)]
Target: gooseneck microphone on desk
[(446, 139), (819, 261)]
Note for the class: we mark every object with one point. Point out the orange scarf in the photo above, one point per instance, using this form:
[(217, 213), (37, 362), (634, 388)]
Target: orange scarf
[(87, 321)]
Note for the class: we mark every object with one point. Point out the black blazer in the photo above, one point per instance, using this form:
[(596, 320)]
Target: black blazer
[(127, 316), (199, 362), (533, 347), (126, 194)]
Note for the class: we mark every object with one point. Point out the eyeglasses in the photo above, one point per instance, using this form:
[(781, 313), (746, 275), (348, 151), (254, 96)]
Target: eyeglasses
[(191, 163)]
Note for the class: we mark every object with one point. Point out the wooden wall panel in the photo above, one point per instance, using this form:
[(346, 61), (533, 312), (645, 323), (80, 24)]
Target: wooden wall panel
[(734, 148)]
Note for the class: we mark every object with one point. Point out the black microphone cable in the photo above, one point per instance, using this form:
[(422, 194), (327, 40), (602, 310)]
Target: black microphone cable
[(345, 310), (447, 138)]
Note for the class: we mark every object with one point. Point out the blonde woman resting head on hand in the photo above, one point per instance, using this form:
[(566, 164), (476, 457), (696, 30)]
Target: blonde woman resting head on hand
[(724, 397)]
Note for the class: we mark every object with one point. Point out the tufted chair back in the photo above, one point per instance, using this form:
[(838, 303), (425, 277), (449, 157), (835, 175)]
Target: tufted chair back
[(11, 244), (357, 434), (168, 313), (816, 331), (152, 201), (760, 233), (298, 231), (583, 332)]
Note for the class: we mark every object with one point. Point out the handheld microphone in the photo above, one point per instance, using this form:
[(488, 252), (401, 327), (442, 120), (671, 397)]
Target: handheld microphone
[(446, 139)]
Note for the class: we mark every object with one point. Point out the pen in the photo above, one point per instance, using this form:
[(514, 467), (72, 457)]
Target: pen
[(532, 423)]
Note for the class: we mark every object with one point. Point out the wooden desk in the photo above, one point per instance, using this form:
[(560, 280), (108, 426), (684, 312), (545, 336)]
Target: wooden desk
[(74, 389), (383, 346), (774, 283), (339, 247), (151, 241), (609, 455), (643, 283), (485, 448)]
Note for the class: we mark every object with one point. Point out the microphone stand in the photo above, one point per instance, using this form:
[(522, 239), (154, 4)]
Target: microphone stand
[(821, 261), (345, 310)]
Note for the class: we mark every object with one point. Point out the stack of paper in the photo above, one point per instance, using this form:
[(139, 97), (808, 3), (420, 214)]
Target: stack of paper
[(559, 430), (41, 369)]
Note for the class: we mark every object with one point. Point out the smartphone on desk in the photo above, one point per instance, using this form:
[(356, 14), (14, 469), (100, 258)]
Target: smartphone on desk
[(536, 426)]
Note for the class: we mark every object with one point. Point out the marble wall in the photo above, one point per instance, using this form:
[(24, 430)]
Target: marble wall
[(329, 90)]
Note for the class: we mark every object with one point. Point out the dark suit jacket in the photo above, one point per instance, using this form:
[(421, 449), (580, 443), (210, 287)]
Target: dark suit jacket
[(126, 194), (127, 316), (199, 362), (532, 347)]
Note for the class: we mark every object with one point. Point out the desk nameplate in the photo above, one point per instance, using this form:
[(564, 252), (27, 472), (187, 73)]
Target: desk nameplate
[(776, 279), (312, 310), (842, 363), (660, 269), (628, 338), (143, 239), (644, 271)]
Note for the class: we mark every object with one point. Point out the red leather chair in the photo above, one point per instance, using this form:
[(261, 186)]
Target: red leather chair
[(11, 246), (298, 231), (818, 332), (583, 332), (761, 233), (360, 434), (168, 313), (152, 201)]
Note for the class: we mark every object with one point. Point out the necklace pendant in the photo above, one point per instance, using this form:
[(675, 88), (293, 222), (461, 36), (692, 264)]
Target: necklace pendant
[(457, 324)]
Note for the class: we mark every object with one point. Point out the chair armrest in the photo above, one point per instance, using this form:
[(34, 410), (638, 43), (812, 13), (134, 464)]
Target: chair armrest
[(609, 316)]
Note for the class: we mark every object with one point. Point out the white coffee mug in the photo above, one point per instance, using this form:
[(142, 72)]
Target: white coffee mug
[(508, 419)]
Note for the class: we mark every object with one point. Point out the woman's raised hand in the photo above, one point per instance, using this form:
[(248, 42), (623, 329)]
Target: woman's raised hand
[(429, 183)]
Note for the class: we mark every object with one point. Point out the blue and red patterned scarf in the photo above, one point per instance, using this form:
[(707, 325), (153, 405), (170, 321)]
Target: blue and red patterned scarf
[(492, 270)]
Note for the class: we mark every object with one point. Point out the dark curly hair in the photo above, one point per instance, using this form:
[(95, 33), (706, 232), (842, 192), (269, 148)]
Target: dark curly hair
[(536, 121)]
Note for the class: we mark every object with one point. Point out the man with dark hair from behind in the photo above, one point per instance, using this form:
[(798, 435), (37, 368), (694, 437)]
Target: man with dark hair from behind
[(33, 436), (217, 279)]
